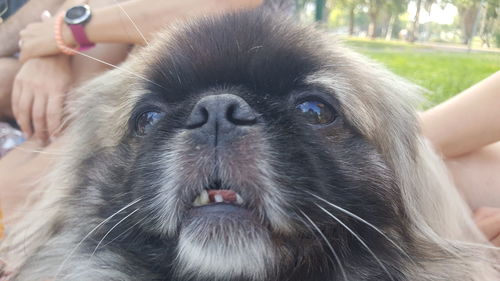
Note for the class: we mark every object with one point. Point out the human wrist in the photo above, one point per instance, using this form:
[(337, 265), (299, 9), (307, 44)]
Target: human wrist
[(72, 31), (67, 36)]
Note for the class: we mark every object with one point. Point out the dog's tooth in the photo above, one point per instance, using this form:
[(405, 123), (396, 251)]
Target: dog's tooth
[(204, 197), (218, 198), (197, 201), (239, 200)]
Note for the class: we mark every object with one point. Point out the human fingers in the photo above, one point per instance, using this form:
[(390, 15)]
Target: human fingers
[(38, 40), (54, 114), (14, 101), (38, 117), (490, 226), (23, 117)]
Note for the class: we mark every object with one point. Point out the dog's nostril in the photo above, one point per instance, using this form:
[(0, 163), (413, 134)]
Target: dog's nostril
[(198, 118), (226, 110), (240, 115)]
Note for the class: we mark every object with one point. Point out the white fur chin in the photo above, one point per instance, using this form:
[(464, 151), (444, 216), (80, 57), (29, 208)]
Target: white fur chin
[(224, 253)]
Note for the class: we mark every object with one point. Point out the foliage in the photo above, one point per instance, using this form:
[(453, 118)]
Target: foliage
[(444, 73)]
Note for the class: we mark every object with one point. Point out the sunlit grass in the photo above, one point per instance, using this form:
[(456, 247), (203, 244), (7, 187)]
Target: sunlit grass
[(443, 73)]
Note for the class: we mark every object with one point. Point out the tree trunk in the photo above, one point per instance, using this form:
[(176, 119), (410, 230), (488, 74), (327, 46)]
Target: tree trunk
[(351, 20), (469, 15), (372, 28), (483, 33), (390, 27), (413, 36)]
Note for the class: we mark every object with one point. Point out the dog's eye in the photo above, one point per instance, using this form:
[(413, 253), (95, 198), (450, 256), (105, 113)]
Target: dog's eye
[(316, 112), (146, 121)]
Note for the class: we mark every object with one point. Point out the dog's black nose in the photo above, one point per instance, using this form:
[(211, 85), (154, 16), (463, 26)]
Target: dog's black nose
[(219, 118)]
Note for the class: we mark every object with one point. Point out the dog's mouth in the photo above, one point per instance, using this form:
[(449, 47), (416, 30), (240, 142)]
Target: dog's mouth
[(209, 197), (218, 202)]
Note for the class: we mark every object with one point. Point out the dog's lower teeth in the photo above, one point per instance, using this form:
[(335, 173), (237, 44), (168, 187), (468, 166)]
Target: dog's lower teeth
[(201, 199), (218, 198), (204, 199), (239, 200)]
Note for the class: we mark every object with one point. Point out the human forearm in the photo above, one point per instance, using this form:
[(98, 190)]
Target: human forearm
[(466, 122), (110, 24), (30, 12)]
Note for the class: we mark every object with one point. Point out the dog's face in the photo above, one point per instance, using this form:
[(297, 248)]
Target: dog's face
[(243, 145)]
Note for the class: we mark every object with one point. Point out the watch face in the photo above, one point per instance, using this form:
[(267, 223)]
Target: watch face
[(77, 15)]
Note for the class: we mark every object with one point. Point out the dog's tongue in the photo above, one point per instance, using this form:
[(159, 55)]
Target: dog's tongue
[(221, 195)]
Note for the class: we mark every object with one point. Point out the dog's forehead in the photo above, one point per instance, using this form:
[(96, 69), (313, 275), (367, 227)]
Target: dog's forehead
[(245, 49)]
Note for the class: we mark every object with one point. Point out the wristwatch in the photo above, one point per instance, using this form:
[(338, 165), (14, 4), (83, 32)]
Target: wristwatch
[(76, 18)]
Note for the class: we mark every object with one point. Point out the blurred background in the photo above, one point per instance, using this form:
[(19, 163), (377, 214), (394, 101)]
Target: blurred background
[(443, 45)]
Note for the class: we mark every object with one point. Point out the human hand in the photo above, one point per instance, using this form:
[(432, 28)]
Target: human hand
[(38, 39), (488, 221), (38, 95)]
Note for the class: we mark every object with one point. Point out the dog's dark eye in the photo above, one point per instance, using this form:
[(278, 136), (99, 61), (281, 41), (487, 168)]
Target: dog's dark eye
[(316, 112), (146, 121)]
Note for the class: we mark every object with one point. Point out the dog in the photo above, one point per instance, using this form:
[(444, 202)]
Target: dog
[(247, 147)]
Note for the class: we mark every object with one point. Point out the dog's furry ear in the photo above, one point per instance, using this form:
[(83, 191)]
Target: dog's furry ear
[(382, 107), (93, 105)]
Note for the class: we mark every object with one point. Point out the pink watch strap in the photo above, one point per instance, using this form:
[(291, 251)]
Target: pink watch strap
[(78, 31)]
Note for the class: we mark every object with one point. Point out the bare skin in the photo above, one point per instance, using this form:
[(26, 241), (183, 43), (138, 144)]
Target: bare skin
[(109, 24), (467, 121), (32, 160), (38, 95), (9, 67), (30, 12), (466, 131)]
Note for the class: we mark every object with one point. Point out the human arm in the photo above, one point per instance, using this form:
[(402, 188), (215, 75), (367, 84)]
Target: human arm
[(110, 24), (466, 122), (30, 12)]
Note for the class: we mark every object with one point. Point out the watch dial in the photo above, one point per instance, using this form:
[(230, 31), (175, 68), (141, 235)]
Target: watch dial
[(76, 12)]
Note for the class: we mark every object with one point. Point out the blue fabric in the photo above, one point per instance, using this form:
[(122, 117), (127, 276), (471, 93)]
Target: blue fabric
[(11, 5)]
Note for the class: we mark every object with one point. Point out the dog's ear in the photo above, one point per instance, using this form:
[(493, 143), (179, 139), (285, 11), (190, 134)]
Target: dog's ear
[(99, 110)]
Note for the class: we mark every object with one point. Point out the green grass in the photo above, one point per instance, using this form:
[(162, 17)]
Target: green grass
[(444, 73)]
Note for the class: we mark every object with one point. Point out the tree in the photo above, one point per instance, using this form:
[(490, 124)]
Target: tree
[(413, 35), (394, 8), (490, 24), (351, 6), (469, 12), (374, 11)]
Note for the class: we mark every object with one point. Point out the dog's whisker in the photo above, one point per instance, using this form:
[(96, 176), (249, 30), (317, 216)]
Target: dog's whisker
[(111, 229), (313, 232), (70, 254), (124, 232), (365, 222), (132, 21), (361, 241), (120, 68), (335, 255)]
